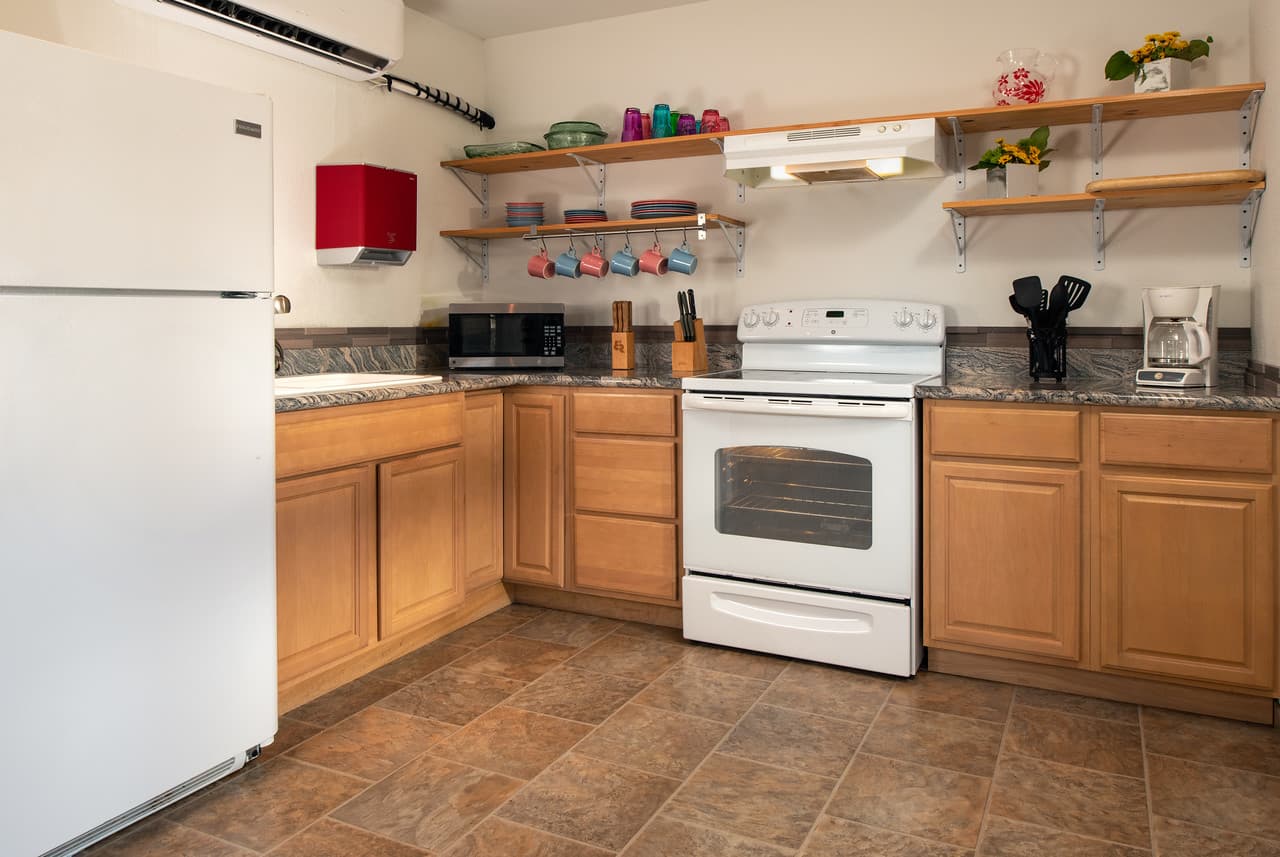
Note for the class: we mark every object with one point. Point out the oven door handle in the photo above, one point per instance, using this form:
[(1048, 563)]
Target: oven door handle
[(799, 407)]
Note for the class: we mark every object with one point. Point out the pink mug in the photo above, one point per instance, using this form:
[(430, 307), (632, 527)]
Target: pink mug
[(594, 264), (653, 262), (541, 266)]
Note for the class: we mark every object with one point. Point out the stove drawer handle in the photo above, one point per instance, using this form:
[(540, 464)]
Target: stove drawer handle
[(793, 616), (799, 407)]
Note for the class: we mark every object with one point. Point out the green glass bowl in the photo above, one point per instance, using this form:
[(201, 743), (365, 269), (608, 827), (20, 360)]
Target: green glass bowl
[(489, 150), (573, 139), (588, 127)]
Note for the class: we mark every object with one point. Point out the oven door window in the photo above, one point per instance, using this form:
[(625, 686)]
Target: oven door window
[(793, 494)]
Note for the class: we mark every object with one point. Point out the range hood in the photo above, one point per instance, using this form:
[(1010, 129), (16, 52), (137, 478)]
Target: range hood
[(899, 148)]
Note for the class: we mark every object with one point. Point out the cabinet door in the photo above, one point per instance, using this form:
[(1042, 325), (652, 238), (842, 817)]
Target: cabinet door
[(326, 566), (1004, 558), (1187, 579), (534, 522), (420, 521), (483, 449)]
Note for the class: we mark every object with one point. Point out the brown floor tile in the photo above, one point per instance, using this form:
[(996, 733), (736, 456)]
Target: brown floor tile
[(511, 741), (372, 743), (1103, 745), (1075, 800), (328, 838), (666, 837), (703, 693), (428, 803), (1004, 837), (661, 633), (452, 696), (515, 657), (496, 837), (582, 695), (950, 694), (660, 742), (629, 657), (269, 804), (520, 611), (568, 629), (1228, 798), (830, 691), (590, 801), (1068, 703), (1212, 740), (1179, 839), (795, 739), (343, 702), (419, 664), (753, 800), (745, 664), (835, 837), (160, 838), (910, 798), (485, 630), (915, 735)]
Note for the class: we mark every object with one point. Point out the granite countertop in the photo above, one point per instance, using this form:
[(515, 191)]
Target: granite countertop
[(1231, 395), (456, 382)]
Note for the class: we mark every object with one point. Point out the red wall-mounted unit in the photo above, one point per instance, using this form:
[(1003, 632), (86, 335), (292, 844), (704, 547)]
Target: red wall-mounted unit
[(365, 215)]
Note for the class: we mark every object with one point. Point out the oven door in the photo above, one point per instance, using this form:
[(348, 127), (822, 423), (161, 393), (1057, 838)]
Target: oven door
[(812, 492)]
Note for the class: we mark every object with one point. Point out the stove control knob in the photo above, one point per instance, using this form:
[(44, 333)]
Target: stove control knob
[(750, 318), (903, 318), (928, 321), (771, 318)]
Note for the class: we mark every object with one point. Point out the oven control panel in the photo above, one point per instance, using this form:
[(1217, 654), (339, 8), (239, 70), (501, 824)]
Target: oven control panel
[(861, 321)]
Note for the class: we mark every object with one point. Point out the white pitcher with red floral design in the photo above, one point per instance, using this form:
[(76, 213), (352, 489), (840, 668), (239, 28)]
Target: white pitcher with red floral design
[(1024, 77)]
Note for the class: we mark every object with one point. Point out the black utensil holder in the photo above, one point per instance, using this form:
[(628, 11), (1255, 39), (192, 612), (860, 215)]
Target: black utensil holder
[(1047, 350)]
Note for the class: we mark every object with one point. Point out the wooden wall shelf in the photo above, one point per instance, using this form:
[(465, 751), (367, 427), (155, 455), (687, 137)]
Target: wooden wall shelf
[(1167, 197), (659, 149)]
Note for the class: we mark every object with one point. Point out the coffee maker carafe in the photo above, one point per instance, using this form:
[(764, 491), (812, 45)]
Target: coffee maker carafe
[(1180, 337)]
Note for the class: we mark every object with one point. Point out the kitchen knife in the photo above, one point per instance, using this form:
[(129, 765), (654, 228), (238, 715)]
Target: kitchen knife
[(693, 309), (684, 317)]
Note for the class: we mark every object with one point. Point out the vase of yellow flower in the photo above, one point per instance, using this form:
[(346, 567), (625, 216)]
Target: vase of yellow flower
[(1162, 64), (1013, 169)]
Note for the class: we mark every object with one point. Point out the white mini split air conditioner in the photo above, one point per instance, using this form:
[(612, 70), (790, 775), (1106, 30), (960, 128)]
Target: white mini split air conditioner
[(355, 39)]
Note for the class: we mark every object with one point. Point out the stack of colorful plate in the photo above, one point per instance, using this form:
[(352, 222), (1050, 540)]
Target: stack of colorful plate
[(524, 214), (649, 209), (584, 215)]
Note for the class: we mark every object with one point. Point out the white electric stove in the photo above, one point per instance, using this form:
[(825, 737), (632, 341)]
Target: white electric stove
[(801, 484)]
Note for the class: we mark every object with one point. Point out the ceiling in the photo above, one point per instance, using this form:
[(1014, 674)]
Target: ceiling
[(489, 18)]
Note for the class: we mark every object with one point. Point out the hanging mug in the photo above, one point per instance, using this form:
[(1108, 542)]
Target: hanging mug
[(594, 264), (653, 262), (568, 264), (624, 262), (541, 266), (682, 261)]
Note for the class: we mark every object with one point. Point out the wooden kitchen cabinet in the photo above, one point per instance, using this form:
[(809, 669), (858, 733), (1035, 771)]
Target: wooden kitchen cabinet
[(326, 568), (482, 446), (1005, 557), (420, 539), (534, 487)]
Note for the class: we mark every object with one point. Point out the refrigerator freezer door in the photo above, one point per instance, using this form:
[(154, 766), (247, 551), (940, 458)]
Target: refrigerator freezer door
[(137, 625), (116, 176)]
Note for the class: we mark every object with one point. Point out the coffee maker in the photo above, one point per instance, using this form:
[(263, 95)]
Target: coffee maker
[(1180, 337)]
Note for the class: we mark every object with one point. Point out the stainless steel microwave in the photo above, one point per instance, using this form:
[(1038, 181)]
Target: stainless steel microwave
[(505, 335)]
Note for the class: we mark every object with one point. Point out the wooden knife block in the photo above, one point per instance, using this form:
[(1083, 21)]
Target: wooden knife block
[(688, 357), (624, 350)]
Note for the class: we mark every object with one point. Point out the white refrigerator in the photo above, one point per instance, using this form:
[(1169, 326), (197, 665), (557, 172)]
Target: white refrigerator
[(137, 557)]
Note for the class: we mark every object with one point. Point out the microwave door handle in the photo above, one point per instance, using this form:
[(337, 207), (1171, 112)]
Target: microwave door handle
[(876, 410)]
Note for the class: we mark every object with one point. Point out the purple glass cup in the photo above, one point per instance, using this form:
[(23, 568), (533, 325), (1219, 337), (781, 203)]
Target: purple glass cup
[(632, 127), (686, 125)]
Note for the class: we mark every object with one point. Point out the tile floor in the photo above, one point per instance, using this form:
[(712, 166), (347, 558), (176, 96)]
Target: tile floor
[(537, 732)]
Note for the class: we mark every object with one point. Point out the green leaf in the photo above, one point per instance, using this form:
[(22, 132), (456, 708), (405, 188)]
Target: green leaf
[(1039, 138), (1120, 66), (1044, 164), (1196, 49)]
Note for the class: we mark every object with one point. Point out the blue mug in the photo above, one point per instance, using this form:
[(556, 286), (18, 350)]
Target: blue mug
[(682, 261), (568, 264), (624, 262)]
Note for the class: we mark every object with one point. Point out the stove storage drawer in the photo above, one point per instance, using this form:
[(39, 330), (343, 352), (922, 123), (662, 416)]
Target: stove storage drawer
[(1237, 444), (1008, 431)]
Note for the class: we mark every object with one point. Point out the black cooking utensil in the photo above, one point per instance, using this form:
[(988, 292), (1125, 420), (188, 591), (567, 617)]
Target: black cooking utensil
[(1057, 309), (1077, 291), (1017, 307)]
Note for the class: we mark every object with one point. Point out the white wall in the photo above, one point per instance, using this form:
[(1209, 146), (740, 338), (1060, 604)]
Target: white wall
[(319, 118), (1265, 17), (766, 63)]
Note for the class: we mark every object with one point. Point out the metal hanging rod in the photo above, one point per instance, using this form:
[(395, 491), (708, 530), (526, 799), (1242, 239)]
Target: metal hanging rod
[(440, 97)]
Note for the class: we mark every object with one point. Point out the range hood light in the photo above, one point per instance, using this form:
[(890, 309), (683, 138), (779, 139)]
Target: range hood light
[(779, 173), (886, 167)]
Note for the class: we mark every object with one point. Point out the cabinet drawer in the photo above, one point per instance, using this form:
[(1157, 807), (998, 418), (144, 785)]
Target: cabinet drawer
[(630, 557), (624, 412), (1005, 431), (626, 477), (1192, 441), (309, 441)]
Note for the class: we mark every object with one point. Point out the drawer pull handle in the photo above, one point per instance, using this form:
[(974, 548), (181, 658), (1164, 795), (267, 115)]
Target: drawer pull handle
[(799, 617)]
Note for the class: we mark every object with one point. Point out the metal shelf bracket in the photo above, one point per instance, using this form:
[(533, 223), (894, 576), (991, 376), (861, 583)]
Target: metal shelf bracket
[(1099, 235), (1248, 219), (957, 227), (597, 180), (480, 259), (1248, 120), (481, 193), (1095, 139), (958, 144), (735, 235)]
